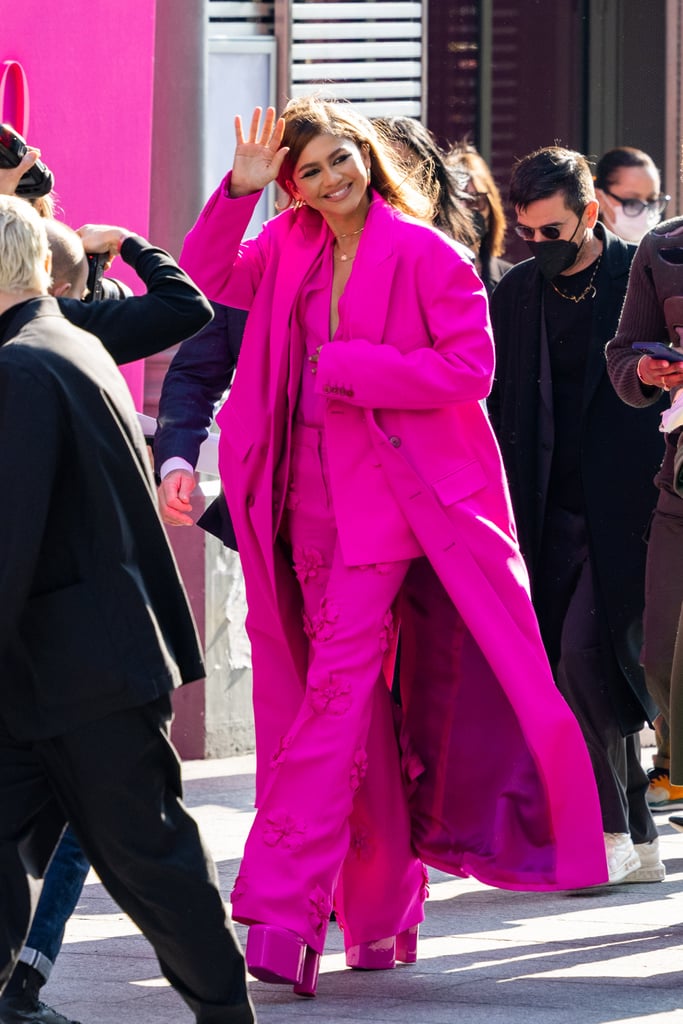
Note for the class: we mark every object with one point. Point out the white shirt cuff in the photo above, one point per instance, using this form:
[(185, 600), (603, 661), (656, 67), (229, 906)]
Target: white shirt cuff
[(177, 462)]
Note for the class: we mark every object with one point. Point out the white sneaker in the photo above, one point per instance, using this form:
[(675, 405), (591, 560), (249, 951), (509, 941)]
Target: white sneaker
[(651, 867), (622, 856)]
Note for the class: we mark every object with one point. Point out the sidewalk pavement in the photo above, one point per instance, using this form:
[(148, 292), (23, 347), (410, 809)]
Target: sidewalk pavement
[(486, 956)]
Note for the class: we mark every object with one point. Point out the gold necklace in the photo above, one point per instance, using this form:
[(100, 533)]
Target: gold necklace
[(343, 257), (590, 288)]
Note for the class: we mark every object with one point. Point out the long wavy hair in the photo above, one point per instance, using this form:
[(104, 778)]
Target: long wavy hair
[(425, 163), (311, 116)]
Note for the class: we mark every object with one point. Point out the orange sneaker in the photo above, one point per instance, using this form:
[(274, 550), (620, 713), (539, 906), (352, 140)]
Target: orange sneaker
[(661, 795)]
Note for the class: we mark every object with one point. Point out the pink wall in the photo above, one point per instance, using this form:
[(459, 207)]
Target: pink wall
[(90, 72)]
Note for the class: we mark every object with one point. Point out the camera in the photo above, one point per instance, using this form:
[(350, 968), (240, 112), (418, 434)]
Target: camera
[(100, 287), (38, 180)]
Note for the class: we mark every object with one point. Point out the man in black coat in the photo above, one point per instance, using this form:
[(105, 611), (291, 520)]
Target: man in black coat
[(95, 633), (171, 309), (580, 465)]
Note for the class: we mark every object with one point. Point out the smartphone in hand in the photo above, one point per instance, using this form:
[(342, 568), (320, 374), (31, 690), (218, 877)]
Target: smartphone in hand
[(658, 350)]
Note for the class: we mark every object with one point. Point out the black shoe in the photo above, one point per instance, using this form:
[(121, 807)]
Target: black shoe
[(26, 1008), (677, 821)]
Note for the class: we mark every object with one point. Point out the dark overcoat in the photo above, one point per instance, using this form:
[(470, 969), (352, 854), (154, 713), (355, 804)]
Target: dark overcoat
[(620, 452), (87, 627)]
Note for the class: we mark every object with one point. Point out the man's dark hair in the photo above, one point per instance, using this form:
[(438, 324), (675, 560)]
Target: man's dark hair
[(548, 171)]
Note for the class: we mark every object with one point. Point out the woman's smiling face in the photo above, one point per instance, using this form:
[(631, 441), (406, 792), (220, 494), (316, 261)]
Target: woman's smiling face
[(331, 176)]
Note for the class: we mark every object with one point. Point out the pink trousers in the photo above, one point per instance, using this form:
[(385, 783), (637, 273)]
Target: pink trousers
[(332, 827)]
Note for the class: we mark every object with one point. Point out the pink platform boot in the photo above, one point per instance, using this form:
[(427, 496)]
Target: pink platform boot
[(406, 945), (309, 976), (382, 954), (280, 957)]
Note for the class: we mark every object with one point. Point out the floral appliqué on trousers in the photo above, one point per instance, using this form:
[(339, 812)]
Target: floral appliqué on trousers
[(358, 769), (321, 626), (282, 830), (320, 906), (330, 696), (307, 563)]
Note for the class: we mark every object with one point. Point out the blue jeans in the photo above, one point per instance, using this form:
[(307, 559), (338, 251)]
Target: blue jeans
[(62, 888)]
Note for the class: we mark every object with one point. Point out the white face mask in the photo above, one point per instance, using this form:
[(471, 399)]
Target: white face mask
[(632, 229)]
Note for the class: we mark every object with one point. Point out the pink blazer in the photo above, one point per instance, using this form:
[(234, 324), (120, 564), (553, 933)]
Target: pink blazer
[(411, 455)]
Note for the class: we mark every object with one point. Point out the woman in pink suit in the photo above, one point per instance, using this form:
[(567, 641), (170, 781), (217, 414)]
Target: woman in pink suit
[(359, 469)]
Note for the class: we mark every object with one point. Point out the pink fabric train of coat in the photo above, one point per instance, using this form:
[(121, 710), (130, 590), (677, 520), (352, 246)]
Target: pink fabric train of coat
[(500, 782)]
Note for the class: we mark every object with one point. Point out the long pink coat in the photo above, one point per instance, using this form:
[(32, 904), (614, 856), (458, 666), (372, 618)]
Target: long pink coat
[(500, 782)]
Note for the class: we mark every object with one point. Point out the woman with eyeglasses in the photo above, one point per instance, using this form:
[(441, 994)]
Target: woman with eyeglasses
[(359, 467), (628, 188)]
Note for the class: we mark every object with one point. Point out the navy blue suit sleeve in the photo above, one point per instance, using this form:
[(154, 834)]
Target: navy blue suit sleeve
[(197, 378)]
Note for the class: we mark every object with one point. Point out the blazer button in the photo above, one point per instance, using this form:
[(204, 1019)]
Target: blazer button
[(250, 501), (349, 392), (395, 441)]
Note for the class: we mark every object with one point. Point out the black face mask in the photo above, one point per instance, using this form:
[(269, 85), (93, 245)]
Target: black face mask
[(554, 257), (479, 224)]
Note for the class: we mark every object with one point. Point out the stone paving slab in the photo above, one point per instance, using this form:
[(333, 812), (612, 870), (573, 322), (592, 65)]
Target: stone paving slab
[(487, 956)]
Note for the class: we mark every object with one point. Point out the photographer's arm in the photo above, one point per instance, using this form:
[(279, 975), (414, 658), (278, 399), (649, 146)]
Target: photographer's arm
[(173, 308)]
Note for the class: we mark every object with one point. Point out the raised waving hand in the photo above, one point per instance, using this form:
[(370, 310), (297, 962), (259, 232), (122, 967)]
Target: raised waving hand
[(259, 156)]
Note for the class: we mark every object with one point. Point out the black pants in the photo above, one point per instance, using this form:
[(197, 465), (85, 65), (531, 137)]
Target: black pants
[(117, 781), (564, 598)]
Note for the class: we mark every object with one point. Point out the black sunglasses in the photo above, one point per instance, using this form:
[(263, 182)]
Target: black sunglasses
[(634, 207), (548, 231)]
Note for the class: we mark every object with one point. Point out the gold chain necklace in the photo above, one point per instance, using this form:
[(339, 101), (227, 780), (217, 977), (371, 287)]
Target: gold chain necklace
[(343, 257), (588, 290)]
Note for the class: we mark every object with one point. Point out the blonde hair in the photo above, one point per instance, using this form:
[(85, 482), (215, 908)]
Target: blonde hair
[(44, 205), (311, 116), (23, 248)]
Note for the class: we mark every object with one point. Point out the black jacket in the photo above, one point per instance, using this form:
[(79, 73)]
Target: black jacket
[(620, 452), (172, 309), (94, 617)]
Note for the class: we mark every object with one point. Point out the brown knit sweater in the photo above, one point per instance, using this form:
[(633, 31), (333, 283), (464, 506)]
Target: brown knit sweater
[(642, 319)]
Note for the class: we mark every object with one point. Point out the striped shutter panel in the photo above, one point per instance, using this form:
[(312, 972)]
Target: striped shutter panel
[(371, 53), (242, 17)]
